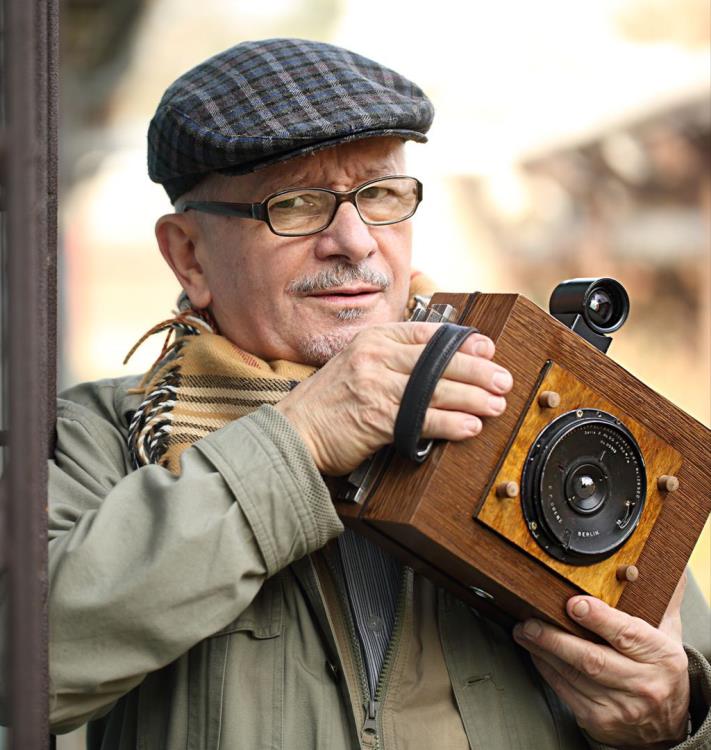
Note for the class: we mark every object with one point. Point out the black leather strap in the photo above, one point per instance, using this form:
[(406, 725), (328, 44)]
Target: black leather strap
[(419, 389)]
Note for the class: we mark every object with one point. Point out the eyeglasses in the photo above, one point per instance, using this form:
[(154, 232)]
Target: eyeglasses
[(303, 211)]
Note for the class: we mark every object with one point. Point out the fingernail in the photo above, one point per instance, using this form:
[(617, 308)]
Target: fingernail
[(482, 348), (497, 404), (472, 425), (581, 608), (502, 380), (532, 629)]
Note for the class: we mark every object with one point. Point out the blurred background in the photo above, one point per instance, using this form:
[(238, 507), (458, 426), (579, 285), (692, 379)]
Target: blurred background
[(571, 139)]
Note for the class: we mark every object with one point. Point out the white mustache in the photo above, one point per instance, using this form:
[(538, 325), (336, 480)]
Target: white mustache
[(339, 275)]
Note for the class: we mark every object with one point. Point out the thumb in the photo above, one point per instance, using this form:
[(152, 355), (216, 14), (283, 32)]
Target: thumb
[(671, 621)]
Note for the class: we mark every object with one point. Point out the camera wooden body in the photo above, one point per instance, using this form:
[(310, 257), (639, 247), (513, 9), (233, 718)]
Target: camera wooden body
[(451, 519)]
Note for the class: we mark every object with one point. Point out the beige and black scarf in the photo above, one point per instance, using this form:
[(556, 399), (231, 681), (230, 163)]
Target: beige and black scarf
[(202, 381)]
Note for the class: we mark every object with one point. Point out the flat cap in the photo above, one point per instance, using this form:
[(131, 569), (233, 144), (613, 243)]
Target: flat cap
[(267, 101)]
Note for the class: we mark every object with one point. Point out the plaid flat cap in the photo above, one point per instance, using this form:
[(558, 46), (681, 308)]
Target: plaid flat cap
[(267, 101)]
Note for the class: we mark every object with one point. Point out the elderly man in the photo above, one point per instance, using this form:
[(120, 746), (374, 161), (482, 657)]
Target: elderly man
[(203, 591)]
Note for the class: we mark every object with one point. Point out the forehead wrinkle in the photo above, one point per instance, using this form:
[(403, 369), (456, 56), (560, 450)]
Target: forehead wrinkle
[(318, 176)]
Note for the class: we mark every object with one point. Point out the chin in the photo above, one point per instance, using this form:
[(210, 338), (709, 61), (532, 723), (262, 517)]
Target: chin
[(316, 349), (334, 335)]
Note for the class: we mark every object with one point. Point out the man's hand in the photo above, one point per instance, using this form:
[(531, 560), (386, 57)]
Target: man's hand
[(632, 693), (347, 410)]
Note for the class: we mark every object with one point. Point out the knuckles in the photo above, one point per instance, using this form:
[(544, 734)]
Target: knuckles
[(632, 712), (654, 694), (603, 722), (630, 637), (364, 351), (593, 662)]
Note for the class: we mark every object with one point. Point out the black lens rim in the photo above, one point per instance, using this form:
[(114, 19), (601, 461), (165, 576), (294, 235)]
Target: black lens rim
[(618, 298), (533, 467)]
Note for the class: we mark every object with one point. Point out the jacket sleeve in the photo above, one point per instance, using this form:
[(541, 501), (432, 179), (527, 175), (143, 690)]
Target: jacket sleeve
[(144, 565)]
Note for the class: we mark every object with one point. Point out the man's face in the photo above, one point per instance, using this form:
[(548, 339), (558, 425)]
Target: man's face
[(303, 299)]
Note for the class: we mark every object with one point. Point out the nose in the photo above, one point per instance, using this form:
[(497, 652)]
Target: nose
[(348, 237)]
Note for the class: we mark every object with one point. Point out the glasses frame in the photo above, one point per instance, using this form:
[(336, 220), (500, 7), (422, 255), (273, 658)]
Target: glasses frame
[(260, 211)]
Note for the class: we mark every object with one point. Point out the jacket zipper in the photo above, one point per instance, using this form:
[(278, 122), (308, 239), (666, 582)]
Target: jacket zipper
[(369, 730), (352, 635), (372, 730)]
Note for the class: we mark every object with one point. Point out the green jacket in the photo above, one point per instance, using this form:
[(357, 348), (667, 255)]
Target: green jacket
[(203, 611)]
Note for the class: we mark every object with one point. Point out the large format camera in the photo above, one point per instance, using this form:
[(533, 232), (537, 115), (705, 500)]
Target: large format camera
[(590, 482)]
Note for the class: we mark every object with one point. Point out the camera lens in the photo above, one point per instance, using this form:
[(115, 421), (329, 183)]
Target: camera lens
[(600, 308), (583, 486)]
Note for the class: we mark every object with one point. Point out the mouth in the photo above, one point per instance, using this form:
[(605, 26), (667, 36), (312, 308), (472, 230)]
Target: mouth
[(353, 294)]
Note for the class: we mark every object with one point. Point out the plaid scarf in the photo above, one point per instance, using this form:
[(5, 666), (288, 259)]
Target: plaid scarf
[(201, 381)]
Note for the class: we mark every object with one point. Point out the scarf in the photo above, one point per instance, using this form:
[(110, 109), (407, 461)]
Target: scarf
[(201, 382)]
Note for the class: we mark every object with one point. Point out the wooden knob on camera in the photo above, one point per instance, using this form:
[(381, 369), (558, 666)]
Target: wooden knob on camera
[(667, 483), (627, 573), (507, 489), (549, 399)]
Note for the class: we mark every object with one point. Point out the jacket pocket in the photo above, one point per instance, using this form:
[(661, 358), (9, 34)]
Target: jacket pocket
[(251, 641), (264, 618)]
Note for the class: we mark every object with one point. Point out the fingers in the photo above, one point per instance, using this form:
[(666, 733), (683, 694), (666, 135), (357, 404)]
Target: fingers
[(420, 333), (467, 368), (593, 714), (471, 387), (450, 425), (628, 635), (478, 345), (467, 398), (470, 365), (463, 368), (573, 688), (583, 659)]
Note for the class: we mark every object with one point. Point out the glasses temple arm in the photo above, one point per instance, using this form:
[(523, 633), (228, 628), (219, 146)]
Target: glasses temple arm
[(243, 210)]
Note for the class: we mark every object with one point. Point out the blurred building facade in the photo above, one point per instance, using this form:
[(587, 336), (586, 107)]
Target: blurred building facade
[(571, 139)]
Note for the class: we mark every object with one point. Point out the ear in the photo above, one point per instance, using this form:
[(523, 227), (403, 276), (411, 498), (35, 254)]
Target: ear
[(178, 239)]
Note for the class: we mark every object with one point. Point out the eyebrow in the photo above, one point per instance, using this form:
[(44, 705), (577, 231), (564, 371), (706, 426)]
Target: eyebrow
[(302, 181)]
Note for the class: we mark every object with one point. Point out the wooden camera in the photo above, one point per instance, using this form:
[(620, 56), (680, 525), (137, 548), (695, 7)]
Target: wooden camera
[(590, 482)]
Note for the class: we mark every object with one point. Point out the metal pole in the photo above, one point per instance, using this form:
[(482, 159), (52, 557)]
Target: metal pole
[(30, 67)]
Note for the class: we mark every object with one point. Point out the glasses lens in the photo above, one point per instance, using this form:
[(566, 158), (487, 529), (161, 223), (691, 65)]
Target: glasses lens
[(387, 201), (301, 211)]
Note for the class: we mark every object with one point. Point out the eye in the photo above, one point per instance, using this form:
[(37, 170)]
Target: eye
[(295, 201), (375, 193)]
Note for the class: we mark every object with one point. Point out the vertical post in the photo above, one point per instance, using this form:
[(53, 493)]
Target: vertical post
[(30, 67)]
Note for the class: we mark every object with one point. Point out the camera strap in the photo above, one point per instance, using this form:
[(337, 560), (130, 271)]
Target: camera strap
[(416, 398)]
